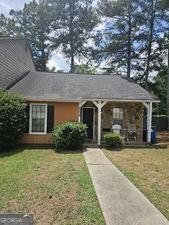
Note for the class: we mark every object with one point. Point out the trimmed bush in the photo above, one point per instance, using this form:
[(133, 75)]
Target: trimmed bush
[(69, 135), (12, 118), (113, 139)]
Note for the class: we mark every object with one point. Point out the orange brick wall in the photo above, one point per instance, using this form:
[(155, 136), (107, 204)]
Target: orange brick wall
[(36, 139), (63, 111)]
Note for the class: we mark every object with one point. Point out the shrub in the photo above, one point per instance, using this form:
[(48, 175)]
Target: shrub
[(12, 118), (113, 139), (69, 135)]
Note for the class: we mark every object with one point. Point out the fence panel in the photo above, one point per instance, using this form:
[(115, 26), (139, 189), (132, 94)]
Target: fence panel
[(158, 121)]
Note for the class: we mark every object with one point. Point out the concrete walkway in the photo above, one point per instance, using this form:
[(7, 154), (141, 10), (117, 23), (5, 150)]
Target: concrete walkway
[(121, 202)]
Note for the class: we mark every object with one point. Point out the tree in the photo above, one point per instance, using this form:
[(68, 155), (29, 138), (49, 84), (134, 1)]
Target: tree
[(166, 6), (168, 85), (84, 69), (129, 43), (34, 22), (152, 29), (150, 38), (166, 3), (3, 25), (74, 22), (119, 40), (159, 88)]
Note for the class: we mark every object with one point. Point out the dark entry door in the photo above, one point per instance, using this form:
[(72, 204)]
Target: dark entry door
[(88, 120)]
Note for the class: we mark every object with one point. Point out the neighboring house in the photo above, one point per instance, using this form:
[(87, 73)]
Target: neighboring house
[(15, 61), (103, 102)]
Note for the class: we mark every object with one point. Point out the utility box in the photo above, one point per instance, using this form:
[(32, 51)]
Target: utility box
[(153, 135)]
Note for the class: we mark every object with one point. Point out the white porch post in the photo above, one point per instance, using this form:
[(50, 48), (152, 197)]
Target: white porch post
[(149, 122), (79, 114), (99, 105), (80, 106), (99, 125)]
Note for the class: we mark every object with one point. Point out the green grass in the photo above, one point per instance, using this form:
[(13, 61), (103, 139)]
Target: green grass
[(55, 187), (148, 169)]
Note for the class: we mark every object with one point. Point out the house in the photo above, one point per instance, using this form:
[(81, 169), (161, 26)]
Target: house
[(15, 61), (103, 102)]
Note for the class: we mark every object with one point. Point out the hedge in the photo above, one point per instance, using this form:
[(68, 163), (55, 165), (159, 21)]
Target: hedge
[(12, 118), (69, 135)]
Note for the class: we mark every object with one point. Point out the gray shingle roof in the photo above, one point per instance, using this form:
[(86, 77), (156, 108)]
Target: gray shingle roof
[(60, 86), (15, 60)]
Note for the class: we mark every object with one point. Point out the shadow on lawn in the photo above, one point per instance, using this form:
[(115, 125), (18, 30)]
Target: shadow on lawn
[(20, 148), (64, 152), (6, 152), (119, 149), (10, 151)]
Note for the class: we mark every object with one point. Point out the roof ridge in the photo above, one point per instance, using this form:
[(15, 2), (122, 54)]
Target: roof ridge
[(79, 74), (12, 38)]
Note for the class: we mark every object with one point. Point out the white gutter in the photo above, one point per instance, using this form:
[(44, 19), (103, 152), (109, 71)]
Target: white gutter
[(122, 100), (80, 100)]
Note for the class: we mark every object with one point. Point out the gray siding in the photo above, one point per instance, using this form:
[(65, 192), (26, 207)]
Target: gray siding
[(15, 60)]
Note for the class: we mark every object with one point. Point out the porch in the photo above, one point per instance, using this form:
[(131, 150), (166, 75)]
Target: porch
[(123, 117)]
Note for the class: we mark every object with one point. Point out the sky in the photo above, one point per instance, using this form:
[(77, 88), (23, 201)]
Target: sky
[(7, 5), (57, 60)]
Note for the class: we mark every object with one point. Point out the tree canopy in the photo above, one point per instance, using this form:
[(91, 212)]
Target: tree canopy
[(74, 22), (159, 88)]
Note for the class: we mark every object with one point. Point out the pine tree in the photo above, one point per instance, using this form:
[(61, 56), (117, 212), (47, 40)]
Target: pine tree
[(119, 39), (152, 28), (129, 41), (74, 22), (33, 22)]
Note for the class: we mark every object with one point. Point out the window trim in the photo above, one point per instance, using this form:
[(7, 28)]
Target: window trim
[(119, 121), (119, 113), (30, 119)]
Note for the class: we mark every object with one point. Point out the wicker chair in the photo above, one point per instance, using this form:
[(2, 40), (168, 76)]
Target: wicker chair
[(131, 132)]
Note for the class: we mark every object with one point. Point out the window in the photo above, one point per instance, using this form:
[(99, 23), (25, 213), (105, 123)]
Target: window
[(118, 116), (38, 118)]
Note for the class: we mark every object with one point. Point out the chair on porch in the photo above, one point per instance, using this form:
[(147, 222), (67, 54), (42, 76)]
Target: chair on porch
[(131, 132), (116, 128)]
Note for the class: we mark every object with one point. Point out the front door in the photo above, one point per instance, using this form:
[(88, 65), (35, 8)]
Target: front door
[(88, 116)]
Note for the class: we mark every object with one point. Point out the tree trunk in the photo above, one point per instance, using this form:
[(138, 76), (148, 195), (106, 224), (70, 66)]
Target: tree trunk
[(153, 6), (71, 38), (43, 61), (43, 57), (72, 63), (168, 91), (129, 42)]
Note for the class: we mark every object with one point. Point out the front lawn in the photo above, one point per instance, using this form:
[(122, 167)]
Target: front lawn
[(148, 169), (55, 187)]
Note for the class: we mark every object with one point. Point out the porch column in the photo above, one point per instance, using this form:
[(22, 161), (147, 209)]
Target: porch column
[(80, 106), (99, 125), (149, 122), (99, 105)]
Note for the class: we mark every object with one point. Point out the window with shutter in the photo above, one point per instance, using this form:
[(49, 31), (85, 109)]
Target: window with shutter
[(38, 119), (27, 118), (50, 118)]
